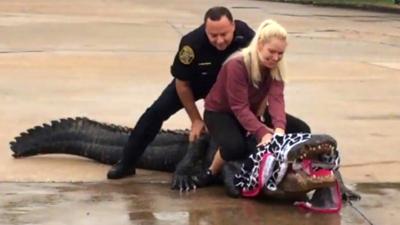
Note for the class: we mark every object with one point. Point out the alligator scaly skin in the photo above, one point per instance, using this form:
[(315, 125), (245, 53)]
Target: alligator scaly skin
[(99, 141)]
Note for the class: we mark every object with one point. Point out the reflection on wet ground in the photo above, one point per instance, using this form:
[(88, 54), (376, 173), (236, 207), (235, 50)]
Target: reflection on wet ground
[(144, 203)]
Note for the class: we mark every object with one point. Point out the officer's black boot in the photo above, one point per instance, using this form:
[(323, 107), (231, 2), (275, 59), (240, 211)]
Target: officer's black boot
[(126, 166), (121, 170)]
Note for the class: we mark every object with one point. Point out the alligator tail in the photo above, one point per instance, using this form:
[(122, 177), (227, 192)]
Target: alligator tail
[(98, 141)]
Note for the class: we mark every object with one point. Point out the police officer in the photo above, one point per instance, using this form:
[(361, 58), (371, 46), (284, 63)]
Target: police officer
[(195, 68)]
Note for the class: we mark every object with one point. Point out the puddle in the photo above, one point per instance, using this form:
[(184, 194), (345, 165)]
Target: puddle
[(145, 203), (379, 202), (377, 188)]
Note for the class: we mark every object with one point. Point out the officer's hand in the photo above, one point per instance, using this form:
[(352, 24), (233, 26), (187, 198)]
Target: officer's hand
[(182, 182), (198, 128)]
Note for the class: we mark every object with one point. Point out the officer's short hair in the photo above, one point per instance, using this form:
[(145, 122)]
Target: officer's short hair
[(215, 13)]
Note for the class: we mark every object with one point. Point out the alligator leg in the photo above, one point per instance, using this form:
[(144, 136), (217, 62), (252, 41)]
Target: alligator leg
[(192, 163), (228, 173)]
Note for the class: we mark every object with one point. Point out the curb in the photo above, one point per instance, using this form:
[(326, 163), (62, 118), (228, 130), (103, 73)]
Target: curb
[(395, 9)]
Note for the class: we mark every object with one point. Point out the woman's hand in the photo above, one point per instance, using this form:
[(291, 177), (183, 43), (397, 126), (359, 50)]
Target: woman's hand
[(279, 131), (265, 139)]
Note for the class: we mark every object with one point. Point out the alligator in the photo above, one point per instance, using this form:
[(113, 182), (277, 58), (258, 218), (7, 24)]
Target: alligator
[(172, 152)]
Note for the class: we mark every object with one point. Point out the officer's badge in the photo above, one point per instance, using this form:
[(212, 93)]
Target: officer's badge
[(186, 55)]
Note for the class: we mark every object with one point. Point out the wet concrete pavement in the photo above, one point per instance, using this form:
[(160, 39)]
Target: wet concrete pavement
[(108, 60), (133, 202)]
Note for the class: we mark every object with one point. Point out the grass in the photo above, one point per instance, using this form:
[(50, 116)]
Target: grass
[(375, 2), (343, 2)]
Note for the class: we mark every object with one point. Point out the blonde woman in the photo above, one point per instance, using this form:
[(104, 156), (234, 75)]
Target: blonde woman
[(250, 85)]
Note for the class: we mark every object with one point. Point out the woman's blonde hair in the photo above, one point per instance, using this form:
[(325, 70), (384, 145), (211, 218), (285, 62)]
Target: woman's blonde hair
[(267, 30)]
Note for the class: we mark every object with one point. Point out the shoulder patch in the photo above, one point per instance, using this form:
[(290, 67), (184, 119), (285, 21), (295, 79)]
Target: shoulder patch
[(186, 55)]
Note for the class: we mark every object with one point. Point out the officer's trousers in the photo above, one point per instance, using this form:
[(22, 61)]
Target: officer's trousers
[(149, 124)]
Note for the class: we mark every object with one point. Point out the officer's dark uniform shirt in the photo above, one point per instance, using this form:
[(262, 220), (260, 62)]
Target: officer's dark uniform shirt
[(199, 62)]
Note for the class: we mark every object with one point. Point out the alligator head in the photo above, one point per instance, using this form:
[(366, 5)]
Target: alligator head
[(308, 168), (292, 165)]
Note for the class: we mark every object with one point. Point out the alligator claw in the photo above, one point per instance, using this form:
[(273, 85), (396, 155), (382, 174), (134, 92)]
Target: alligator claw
[(182, 183)]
